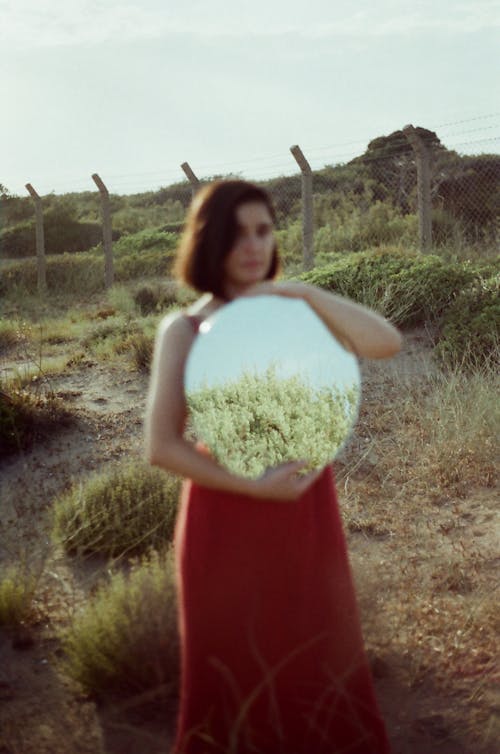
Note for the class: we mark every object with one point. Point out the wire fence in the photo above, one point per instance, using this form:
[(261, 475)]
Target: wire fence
[(406, 189)]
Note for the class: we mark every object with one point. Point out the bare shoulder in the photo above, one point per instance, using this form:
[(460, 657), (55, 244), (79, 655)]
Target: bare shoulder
[(176, 327), (174, 338)]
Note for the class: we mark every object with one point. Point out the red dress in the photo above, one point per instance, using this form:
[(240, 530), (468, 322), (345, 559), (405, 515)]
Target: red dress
[(272, 658)]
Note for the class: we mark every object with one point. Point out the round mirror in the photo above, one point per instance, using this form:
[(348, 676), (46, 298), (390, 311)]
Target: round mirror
[(266, 383)]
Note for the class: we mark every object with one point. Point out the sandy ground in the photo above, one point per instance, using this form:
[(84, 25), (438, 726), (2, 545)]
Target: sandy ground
[(42, 713)]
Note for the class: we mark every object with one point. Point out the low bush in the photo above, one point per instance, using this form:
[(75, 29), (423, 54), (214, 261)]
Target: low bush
[(470, 333), (124, 511), (155, 298), (121, 300), (62, 235), (113, 326), (409, 289), (145, 240), (10, 335), (141, 347), (82, 273), (27, 415), (17, 589), (125, 640), (70, 273), (149, 263)]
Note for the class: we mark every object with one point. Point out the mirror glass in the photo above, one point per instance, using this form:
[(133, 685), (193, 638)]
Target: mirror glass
[(266, 383)]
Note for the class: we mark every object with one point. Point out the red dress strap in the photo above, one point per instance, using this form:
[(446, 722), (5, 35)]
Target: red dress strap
[(194, 321)]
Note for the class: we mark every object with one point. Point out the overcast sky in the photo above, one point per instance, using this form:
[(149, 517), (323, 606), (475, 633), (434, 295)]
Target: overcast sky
[(132, 89), (296, 343)]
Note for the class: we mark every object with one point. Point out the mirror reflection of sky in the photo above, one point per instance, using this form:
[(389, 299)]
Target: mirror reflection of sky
[(250, 334)]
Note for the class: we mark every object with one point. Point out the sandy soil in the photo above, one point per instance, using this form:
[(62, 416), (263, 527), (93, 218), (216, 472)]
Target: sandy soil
[(42, 713)]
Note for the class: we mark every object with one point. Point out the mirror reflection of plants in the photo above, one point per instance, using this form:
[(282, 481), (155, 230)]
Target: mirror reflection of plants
[(260, 421)]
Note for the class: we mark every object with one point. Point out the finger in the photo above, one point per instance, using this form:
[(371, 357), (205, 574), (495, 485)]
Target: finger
[(293, 466), (309, 479)]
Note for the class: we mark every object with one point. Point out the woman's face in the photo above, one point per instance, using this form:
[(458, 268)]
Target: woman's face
[(251, 255)]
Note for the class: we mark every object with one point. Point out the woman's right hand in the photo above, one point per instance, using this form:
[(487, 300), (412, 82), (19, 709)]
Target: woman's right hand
[(283, 482)]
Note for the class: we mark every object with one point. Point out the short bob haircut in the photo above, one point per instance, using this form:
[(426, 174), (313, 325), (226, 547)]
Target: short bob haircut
[(211, 231)]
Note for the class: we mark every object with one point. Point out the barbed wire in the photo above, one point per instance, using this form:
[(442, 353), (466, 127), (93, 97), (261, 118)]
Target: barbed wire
[(265, 165), (468, 120)]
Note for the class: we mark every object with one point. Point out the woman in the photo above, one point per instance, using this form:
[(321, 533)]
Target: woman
[(271, 651)]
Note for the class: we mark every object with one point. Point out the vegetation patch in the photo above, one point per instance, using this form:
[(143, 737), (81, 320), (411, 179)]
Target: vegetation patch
[(141, 347), (17, 590), (470, 333), (146, 240), (445, 431), (125, 640), (27, 414), (262, 420), (155, 298), (82, 273), (10, 335), (409, 289), (124, 511)]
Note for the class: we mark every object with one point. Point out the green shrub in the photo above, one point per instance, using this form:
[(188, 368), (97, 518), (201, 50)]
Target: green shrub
[(173, 227), (70, 273), (289, 242), (145, 240), (125, 640), (62, 234), (17, 589), (154, 298), (82, 273), (352, 224), (27, 415), (151, 263), (409, 289), (121, 300), (10, 335), (141, 346), (470, 329), (113, 327), (122, 511)]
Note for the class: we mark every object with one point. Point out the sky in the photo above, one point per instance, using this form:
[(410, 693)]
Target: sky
[(132, 89), (296, 342)]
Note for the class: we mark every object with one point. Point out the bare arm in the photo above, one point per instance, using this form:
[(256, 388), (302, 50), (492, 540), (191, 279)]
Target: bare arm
[(166, 411), (359, 329)]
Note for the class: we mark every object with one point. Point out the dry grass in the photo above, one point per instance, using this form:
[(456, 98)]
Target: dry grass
[(440, 436), (428, 595)]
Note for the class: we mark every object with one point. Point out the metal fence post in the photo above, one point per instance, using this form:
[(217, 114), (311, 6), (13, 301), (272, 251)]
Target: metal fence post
[(192, 178), (40, 240), (422, 158), (307, 207), (106, 230)]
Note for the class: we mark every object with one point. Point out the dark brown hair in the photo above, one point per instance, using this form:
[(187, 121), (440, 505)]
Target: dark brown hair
[(211, 231)]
